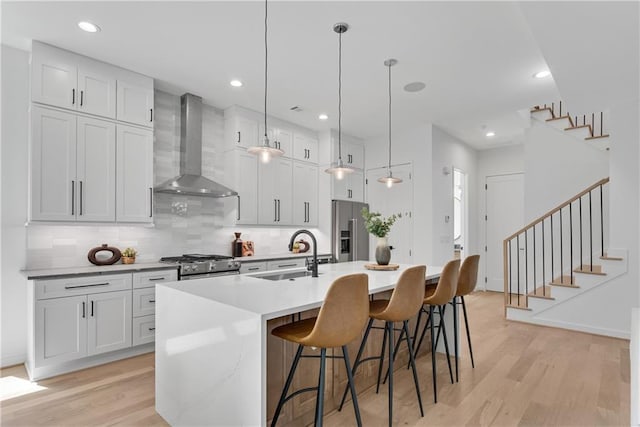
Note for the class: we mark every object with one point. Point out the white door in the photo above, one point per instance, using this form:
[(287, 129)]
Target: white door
[(96, 170), (135, 103), (109, 322), (97, 91), (395, 200), (54, 79), (247, 187), (134, 177), (53, 165), (60, 329), (305, 195), (504, 215)]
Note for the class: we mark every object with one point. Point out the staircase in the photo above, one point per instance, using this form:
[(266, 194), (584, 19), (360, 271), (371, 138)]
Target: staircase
[(581, 129), (560, 256)]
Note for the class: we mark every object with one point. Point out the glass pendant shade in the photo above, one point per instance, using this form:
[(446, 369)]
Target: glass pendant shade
[(389, 180), (339, 170), (265, 151)]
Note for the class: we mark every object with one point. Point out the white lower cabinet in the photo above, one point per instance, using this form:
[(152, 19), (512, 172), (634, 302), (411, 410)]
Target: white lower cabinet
[(252, 267), (144, 330), (109, 322), (283, 264), (60, 330)]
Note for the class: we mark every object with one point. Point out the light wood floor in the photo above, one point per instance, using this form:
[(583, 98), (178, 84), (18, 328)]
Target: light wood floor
[(524, 375)]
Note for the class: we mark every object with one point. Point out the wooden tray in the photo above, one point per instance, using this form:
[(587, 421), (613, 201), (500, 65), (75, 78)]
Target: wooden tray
[(377, 267)]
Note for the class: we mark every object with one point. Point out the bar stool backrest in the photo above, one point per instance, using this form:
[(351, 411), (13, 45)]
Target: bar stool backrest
[(468, 275), (447, 285), (343, 314), (408, 295)]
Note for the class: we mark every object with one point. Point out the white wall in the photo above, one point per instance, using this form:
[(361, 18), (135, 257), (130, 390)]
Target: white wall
[(450, 152), (13, 288), (412, 145), (495, 161), (558, 167)]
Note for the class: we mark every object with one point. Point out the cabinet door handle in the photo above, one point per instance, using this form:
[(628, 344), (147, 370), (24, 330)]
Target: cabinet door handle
[(238, 141), (87, 286), (152, 329), (91, 308), (81, 191), (278, 210), (150, 202), (84, 308), (275, 210), (238, 217), (253, 268), (151, 115), (152, 301), (73, 96), (287, 265), (81, 98), (156, 279), (73, 198)]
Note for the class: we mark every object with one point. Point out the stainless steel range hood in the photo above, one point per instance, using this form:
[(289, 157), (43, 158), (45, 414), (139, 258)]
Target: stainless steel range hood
[(190, 181)]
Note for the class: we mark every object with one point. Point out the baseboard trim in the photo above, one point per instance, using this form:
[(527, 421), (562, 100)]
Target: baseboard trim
[(576, 327), (8, 361)]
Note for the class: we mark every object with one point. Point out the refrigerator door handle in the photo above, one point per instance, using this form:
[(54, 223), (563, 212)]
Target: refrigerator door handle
[(352, 240), (355, 239)]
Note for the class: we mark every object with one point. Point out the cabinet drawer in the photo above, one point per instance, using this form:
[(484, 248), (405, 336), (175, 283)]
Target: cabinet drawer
[(150, 278), (286, 263), (252, 267), (71, 286), (144, 302), (144, 330)]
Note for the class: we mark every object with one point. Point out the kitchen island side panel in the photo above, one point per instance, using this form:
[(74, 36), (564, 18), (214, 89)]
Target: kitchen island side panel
[(209, 361)]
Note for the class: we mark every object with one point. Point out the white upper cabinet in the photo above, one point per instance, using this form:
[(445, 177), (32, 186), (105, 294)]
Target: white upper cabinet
[(305, 194), (134, 177), (53, 165), (240, 132), (135, 100), (351, 187), (97, 90), (280, 138), (275, 192), (305, 148), (64, 79), (241, 175), (54, 76), (352, 150), (96, 170)]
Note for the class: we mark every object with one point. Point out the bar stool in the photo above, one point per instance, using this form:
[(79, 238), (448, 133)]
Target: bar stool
[(443, 294), (405, 303), (466, 284), (341, 318)]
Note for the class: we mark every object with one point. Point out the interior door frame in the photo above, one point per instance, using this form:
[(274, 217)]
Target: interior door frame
[(464, 208), (486, 239)]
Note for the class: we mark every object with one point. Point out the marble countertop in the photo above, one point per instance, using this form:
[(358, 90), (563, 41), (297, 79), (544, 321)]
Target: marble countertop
[(284, 255), (271, 299), (95, 269)]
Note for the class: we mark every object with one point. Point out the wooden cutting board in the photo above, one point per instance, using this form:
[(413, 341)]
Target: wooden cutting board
[(377, 267)]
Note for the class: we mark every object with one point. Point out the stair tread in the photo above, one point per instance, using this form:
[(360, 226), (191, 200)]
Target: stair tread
[(552, 119), (519, 303), (587, 269), (611, 258), (579, 127), (541, 292), (597, 137)]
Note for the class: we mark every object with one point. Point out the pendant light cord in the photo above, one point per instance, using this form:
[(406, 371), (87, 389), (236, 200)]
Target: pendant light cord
[(265, 70), (389, 118), (340, 97)]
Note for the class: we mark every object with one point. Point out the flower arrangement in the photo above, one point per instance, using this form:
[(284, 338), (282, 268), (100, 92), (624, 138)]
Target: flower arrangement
[(378, 225)]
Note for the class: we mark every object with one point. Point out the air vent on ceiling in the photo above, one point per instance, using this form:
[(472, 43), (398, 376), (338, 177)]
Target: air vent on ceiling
[(296, 108)]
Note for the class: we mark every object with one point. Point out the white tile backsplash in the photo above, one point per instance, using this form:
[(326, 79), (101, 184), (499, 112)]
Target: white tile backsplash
[(182, 224)]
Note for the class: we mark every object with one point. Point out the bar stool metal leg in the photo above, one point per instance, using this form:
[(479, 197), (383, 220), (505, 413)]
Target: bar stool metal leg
[(412, 360), (455, 333), (433, 357), (384, 343), (442, 327), (320, 395), (466, 325), (287, 384), (352, 385), (358, 359), (390, 333)]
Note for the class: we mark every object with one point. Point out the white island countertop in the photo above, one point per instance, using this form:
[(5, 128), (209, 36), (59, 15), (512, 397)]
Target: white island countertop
[(211, 340)]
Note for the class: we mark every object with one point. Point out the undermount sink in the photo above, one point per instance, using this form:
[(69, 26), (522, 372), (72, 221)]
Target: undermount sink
[(289, 275)]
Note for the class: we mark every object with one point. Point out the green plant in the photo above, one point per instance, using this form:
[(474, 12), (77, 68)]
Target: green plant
[(129, 252), (378, 225)]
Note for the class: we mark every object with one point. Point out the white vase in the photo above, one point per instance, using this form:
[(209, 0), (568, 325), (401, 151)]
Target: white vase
[(383, 252)]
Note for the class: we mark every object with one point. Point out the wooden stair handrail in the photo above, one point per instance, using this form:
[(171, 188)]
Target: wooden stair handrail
[(557, 208)]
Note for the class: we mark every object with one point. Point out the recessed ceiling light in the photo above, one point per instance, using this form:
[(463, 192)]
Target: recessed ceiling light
[(414, 86), (235, 83), (542, 74), (323, 116), (490, 134), (88, 27)]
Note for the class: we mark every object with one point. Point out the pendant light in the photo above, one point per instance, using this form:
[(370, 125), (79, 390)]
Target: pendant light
[(338, 168), (265, 151), (389, 179)]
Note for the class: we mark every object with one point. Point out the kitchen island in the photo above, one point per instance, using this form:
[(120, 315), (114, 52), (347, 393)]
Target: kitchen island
[(211, 340)]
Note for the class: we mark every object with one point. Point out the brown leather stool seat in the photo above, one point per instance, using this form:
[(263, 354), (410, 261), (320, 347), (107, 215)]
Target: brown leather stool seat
[(405, 303), (341, 318), (443, 294)]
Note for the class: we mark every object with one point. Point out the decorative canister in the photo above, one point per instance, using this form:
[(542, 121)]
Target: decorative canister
[(236, 246), (383, 251), (93, 258)]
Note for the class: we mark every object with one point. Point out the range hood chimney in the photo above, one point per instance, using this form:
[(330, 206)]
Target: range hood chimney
[(190, 181)]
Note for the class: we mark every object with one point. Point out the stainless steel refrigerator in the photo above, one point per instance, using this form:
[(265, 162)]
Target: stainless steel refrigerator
[(349, 237)]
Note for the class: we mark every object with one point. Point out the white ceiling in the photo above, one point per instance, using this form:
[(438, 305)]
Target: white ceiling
[(477, 58)]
